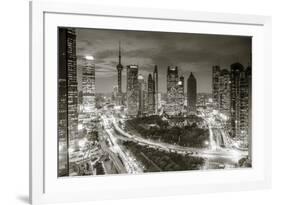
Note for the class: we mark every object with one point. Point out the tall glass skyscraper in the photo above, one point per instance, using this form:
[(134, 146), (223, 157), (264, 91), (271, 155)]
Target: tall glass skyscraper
[(216, 85), (132, 90), (171, 107), (150, 95), (67, 92), (88, 86), (142, 96), (191, 93), (239, 96), (155, 89)]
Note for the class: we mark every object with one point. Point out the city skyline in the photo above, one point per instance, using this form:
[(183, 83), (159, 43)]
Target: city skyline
[(161, 121), (195, 53)]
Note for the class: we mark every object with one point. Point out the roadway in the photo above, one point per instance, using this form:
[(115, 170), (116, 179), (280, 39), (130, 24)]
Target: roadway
[(227, 156)]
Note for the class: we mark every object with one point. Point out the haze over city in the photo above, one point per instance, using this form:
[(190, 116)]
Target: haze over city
[(195, 53)]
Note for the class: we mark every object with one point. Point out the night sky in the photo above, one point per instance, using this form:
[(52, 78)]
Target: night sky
[(195, 53)]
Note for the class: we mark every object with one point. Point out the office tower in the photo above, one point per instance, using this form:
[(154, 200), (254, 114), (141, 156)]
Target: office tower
[(119, 76), (224, 93), (215, 85), (141, 95), (191, 94), (88, 86), (155, 89), (236, 70), (115, 93), (239, 104), (171, 107), (62, 108), (244, 106), (181, 97), (68, 71), (132, 90), (159, 100), (67, 92), (150, 95), (249, 77)]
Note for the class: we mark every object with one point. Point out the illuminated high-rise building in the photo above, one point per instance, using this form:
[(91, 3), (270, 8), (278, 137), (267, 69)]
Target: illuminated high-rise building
[(88, 85), (191, 94), (142, 99), (239, 104), (249, 77), (244, 105), (150, 95), (115, 93), (224, 93), (67, 92), (155, 89), (62, 108), (132, 90), (215, 85), (68, 72), (181, 97), (171, 107)]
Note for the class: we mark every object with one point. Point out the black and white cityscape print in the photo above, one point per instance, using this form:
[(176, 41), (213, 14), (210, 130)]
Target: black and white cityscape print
[(139, 101)]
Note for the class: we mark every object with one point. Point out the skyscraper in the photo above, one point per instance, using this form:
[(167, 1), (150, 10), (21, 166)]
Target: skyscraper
[(88, 86), (249, 77), (171, 107), (224, 93), (150, 95), (244, 106), (67, 91), (132, 90), (155, 89), (191, 93), (115, 93), (62, 108), (141, 95), (215, 85), (119, 76), (181, 97), (239, 101)]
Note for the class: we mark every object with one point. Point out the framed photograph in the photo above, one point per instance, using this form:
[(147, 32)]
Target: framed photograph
[(129, 102)]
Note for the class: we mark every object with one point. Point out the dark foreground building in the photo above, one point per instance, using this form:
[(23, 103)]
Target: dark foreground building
[(67, 92)]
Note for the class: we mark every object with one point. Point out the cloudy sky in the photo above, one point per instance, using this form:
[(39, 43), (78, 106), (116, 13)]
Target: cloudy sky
[(195, 53)]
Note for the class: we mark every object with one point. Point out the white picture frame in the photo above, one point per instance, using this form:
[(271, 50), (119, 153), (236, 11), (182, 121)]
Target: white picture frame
[(45, 187)]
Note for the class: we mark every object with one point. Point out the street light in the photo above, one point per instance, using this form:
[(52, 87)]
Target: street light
[(90, 58)]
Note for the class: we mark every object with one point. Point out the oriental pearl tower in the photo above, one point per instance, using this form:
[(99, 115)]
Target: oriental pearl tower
[(119, 75)]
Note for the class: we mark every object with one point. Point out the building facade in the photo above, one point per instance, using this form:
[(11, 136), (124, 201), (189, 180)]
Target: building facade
[(150, 95), (155, 89), (215, 85), (132, 90), (249, 77), (67, 93), (239, 95), (171, 107), (88, 87), (191, 94), (223, 103), (181, 96), (142, 88)]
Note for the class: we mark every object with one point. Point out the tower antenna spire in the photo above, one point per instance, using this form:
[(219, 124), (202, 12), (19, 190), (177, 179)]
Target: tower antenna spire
[(119, 52)]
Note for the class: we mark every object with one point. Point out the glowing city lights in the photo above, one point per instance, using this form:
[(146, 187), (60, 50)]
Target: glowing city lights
[(89, 58)]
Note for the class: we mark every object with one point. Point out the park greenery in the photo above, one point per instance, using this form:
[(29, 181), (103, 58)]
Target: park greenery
[(155, 128)]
